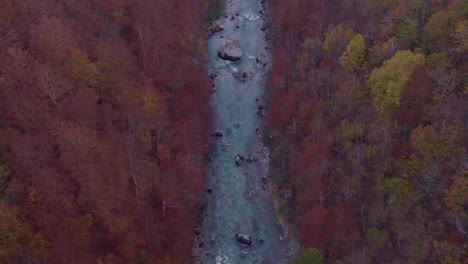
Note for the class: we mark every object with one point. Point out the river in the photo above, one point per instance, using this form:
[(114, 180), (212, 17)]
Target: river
[(238, 200)]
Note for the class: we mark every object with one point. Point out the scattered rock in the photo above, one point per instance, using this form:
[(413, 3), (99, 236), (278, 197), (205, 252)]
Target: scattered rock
[(230, 50), (241, 76), (217, 134), (216, 27), (244, 239), (239, 159), (213, 76), (209, 191), (200, 244), (251, 159)]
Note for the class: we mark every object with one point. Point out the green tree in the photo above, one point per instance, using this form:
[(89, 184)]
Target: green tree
[(309, 256), (389, 80), (398, 188), (437, 29), (436, 60), (408, 31), (355, 52), (336, 39), (377, 239), (349, 132)]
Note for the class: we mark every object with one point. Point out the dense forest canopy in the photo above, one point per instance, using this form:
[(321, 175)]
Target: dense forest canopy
[(367, 127), (103, 121), (105, 118)]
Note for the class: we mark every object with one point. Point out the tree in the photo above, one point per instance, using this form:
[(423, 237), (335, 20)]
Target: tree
[(81, 69), (408, 31), (4, 178), (461, 37), (457, 193), (377, 240), (388, 81), (435, 147), (437, 29), (52, 38), (355, 52), (309, 256), (52, 83), (16, 235), (336, 39), (416, 98), (314, 227), (397, 189)]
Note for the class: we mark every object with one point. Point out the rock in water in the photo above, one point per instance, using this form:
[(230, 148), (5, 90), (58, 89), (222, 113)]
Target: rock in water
[(218, 134), (244, 239), (239, 159), (230, 50), (216, 27)]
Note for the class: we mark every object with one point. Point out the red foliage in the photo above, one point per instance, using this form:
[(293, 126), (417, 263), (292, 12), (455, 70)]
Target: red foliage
[(415, 98), (109, 171), (323, 225), (313, 230)]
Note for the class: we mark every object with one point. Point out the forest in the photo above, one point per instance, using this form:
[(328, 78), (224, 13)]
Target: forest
[(103, 121), (105, 127), (367, 128)]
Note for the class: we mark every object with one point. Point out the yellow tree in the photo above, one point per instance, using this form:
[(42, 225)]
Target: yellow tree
[(355, 52), (389, 80)]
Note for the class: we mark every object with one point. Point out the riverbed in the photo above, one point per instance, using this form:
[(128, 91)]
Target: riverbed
[(237, 199)]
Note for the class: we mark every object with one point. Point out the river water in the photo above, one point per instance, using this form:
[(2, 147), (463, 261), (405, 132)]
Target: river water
[(239, 201)]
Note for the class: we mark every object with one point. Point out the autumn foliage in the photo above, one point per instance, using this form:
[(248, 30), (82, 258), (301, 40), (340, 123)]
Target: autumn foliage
[(366, 127), (103, 130)]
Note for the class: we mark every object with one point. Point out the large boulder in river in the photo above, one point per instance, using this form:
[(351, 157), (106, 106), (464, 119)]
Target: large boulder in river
[(230, 50), (244, 239), (239, 159)]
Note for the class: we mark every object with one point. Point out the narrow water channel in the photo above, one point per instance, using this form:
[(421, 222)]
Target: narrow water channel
[(238, 200)]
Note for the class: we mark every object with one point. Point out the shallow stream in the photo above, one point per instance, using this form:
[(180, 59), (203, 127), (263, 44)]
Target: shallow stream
[(238, 200)]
